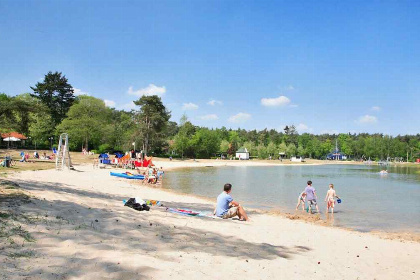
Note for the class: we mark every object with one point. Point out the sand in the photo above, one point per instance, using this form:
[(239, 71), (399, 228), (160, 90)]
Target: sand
[(83, 231)]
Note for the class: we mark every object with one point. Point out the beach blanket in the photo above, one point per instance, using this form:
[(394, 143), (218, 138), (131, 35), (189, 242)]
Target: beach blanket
[(188, 212)]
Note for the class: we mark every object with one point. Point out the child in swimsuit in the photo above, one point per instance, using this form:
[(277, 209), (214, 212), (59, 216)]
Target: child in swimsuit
[(301, 199), (329, 198)]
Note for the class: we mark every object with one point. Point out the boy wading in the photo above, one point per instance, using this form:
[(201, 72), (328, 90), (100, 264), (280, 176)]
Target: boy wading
[(227, 208), (311, 196)]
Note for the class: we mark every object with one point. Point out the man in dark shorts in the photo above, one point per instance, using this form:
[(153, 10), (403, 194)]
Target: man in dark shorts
[(227, 208), (311, 196)]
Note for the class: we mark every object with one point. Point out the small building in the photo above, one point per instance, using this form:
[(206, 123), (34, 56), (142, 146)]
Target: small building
[(282, 155), (336, 154), (297, 159), (242, 153)]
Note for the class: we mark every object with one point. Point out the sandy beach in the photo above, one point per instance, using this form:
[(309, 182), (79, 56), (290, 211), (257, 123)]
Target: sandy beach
[(79, 229)]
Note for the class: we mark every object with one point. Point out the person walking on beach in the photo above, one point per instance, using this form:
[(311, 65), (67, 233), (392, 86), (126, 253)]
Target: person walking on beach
[(228, 208), (329, 198), (311, 196), (301, 200)]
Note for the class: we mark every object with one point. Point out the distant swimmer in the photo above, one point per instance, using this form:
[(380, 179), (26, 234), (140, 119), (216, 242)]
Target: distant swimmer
[(383, 172), (329, 198)]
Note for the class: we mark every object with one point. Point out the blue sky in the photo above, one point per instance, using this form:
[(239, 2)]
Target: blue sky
[(324, 66)]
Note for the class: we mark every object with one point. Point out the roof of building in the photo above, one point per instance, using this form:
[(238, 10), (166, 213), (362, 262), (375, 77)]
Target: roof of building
[(14, 134), (242, 150)]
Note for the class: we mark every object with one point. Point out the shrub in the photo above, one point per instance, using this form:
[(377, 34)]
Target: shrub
[(104, 148)]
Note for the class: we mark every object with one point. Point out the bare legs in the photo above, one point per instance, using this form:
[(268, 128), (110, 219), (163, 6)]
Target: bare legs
[(310, 208), (242, 214), (300, 202)]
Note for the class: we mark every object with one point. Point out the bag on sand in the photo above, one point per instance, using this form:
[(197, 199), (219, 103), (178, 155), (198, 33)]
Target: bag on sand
[(136, 206)]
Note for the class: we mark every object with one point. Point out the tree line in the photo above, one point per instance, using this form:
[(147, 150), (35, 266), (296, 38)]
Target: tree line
[(52, 108)]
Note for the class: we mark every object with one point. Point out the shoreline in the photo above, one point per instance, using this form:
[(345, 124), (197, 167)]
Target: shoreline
[(83, 231), (407, 235), (298, 215)]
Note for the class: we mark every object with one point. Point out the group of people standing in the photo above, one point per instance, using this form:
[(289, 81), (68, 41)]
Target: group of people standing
[(309, 194)]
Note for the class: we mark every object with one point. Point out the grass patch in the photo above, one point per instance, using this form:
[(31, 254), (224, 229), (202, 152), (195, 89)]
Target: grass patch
[(81, 226), (23, 254), (4, 215), (9, 230)]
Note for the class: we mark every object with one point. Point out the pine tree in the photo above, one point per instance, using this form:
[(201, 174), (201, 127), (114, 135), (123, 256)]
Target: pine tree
[(56, 93)]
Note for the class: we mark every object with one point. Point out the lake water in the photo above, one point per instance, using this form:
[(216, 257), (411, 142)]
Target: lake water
[(370, 201)]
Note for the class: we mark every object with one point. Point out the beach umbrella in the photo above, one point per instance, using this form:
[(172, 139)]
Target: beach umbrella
[(11, 139)]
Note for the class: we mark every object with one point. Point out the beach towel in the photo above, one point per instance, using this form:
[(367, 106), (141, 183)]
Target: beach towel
[(188, 212)]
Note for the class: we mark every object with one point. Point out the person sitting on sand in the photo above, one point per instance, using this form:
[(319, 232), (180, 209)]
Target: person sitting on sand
[(301, 200), (151, 176), (227, 208), (329, 198), (311, 196)]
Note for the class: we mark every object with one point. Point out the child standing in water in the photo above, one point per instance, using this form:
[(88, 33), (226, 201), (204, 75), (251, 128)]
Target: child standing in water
[(301, 199), (311, 197), (329, 198)]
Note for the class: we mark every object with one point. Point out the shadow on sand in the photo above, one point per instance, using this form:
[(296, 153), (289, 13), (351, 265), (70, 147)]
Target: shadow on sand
[(81, 238)]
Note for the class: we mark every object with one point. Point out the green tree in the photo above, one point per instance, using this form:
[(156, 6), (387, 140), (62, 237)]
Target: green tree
[(262, 151), (86, 122), (234, 140), (300, 151), (8, 120), (291, 134), (291, 150), (41, 126), (205, 143), (251, 147), (56, 93), (182, 138), (224, 146), (152, 119), (272, 149), (283, 148), (119, 132)]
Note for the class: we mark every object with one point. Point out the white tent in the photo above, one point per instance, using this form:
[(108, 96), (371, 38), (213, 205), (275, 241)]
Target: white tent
[(11, 139)]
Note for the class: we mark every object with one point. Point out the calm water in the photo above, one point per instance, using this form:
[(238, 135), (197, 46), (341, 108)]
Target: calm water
[(370, 201)]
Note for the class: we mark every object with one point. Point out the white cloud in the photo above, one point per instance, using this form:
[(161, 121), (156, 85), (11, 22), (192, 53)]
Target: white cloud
[(127, 107), (302, 127), (275, 102), (109, 103), (149, 90), (210, 117), (214, 102), (290, 87), (376, 108), (240, 117), (367, 119), (189, 106), (78, 91)]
